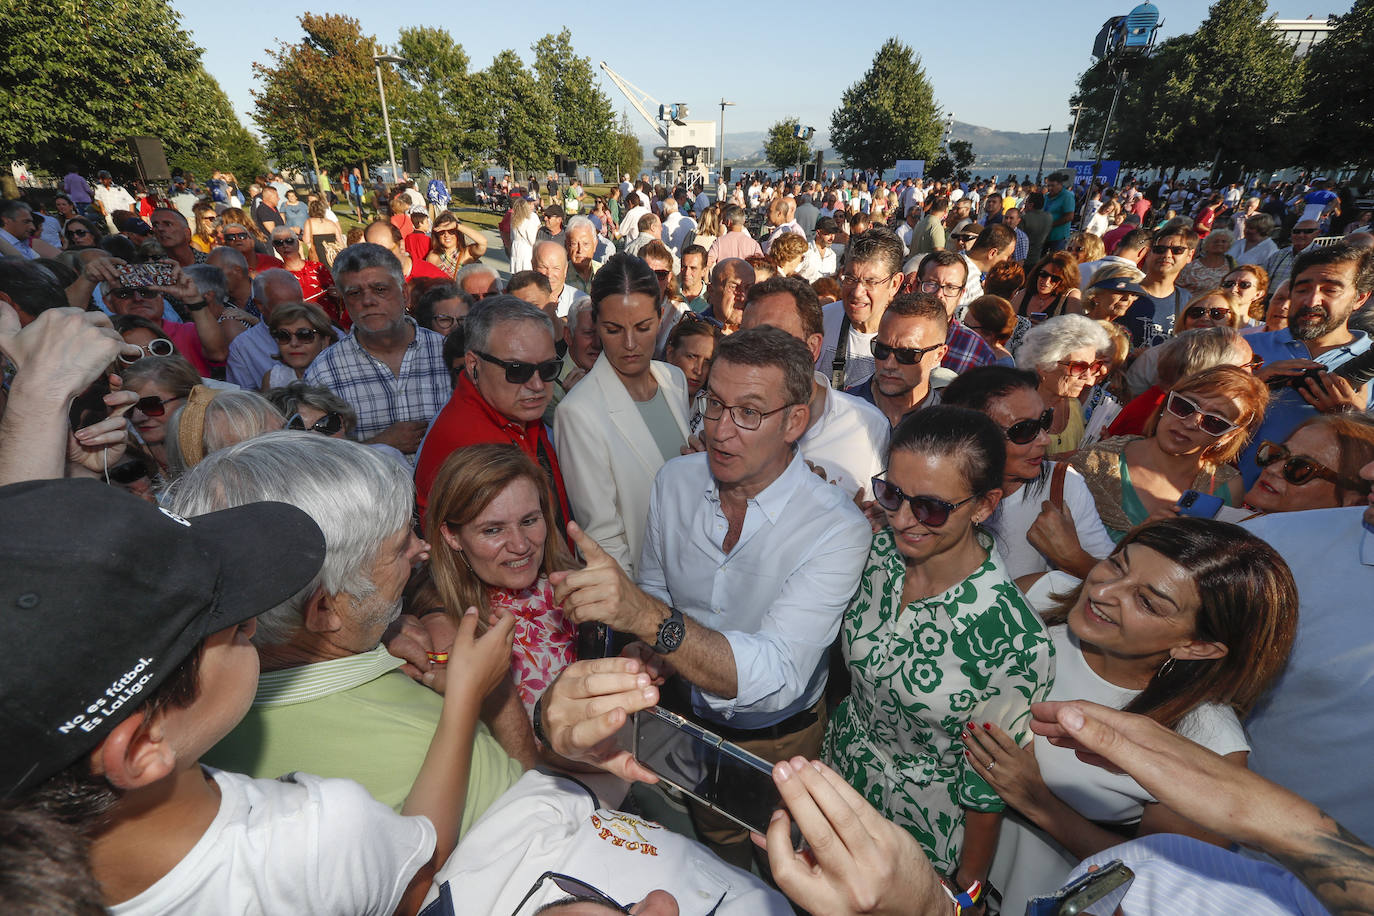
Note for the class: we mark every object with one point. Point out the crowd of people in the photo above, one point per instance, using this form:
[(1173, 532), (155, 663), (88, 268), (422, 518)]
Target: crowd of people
[(1016, 526)]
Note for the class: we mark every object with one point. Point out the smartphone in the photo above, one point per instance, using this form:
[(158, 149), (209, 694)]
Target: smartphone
[(1095, 893), (722, 776), (1199, 505), (1038, 317), (89, 406), (596, 640), (152, 274)]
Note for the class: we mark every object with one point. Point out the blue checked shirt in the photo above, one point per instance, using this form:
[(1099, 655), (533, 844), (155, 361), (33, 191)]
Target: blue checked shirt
[(965, 350), (381, 398)]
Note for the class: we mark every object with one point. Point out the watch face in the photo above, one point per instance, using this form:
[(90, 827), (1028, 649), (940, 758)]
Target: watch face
[(670, 634)]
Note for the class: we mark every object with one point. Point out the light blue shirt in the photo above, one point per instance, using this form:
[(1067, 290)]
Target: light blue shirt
[(250, 357), (1287, 410), (778, 596), (1312, 733), (22, 246)]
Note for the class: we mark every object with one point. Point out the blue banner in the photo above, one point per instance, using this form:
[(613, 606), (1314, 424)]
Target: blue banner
[(1083, 170)]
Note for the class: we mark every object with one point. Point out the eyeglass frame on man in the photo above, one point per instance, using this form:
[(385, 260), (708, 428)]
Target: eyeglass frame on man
[(932, 287), (518, 373), (849, 281), (704, 399), (906, 356), (596, 894)]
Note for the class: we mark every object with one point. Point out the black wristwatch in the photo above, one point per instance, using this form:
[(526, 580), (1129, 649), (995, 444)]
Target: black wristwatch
[(196, 306), (537, 721), (670, 632)]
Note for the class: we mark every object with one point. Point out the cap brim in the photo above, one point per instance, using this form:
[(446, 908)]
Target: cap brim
[(268, 552)]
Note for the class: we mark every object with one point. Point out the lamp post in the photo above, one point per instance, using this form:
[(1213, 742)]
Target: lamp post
[(1073, 132), (1044, 149), (720, 160), (377, 61)]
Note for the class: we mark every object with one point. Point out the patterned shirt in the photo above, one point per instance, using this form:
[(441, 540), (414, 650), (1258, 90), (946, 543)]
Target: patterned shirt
[(545, 641), (966, 350), (380, 397)]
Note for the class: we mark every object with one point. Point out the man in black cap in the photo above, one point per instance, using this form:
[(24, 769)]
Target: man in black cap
[(552, 230), (136, 627)]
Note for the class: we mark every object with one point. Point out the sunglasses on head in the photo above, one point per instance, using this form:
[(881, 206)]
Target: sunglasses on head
[(1210, 423), (304, 335), (930, 511), (1237, 284), (1023, 432), (153, 406), (328, 425), (1194, 312), (1299, 469), (1175, 249), (518, 373), (907, 356)]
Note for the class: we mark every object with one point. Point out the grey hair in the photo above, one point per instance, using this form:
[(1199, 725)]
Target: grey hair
[(358, 497), (265, 277), (209, 279), (1196, 350), (580, 304), (494, 310), (364, 255), (1224, 233), (1112, 271), (669, 206), (1263, 223), (579, 223), (1047, 343), (233, 255), (231, 417), (469, 270), (289, 399)]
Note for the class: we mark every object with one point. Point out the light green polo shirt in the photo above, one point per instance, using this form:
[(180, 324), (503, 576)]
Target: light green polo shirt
[(355, 718)]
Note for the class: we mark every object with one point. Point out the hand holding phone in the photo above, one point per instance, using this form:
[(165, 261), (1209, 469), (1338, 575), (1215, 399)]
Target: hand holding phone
[(1094, 893), (1195, 504)]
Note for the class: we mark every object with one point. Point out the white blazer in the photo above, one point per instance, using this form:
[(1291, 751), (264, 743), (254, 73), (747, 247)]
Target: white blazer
[(609, 458)]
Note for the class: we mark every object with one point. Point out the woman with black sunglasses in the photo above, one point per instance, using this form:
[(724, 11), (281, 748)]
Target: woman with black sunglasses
[(162, 383), (1316, 467), (79, 233), (301, 331), (1189, 444), (1030, 533), (937, 637)]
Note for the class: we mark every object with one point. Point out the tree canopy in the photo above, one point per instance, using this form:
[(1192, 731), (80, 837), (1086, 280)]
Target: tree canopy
[(435, 110), (584, 122), (1338, 95), (783, 149), (517, 113), (889, 114)]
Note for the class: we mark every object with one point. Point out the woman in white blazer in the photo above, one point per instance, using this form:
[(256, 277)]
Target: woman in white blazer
[(618, 426)]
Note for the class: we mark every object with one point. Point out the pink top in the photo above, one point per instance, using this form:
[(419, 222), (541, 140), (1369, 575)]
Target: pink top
[(545, 641)]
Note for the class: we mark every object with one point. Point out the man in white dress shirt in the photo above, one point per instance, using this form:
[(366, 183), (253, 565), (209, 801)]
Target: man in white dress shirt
[(749, 561)]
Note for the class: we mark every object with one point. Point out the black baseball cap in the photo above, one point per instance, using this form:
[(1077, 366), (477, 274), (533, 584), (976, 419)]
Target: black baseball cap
[(1120, 285), (103, 595)]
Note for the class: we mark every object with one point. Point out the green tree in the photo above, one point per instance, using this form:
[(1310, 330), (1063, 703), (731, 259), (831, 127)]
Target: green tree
[(889, 114), (317, 99), (583, 118), (433, 112), (783, 149), (509, 101), (1338, 92), (66, 100), (627, 155), (954, 164)]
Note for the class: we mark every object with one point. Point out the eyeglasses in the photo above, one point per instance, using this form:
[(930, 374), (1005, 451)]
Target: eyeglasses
[(77, 233), (966, 238), (743, 417), (573, 887), (158, 346), (328, 425), (907, 356), (1237, 284), (1194, 312), (1080, 369), (303, 335), (930, 511), (1304, 231), (931, 287), (1299, 469), (663, 275), (1023, 432), (1210, 423), (1048, 275), (236, 236), (518, 373), (869, 283), (1177, 250), (134, 292), (154, 406), (444, 322), (284, 243)]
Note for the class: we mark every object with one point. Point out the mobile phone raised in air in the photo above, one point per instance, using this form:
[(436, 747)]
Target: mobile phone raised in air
[(153, 273), (1199, 505), (1094, 893), (89, 406)]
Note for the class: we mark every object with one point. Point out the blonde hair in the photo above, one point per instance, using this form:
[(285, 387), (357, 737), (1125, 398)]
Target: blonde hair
[(1239, 313)]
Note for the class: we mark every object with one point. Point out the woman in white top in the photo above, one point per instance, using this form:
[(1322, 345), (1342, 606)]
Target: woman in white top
[(524, 225), (1026, 531), (1189, 622), (1255, 246), (628, 416)]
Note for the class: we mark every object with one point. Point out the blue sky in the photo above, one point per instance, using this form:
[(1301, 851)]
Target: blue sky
[(1003, 64)]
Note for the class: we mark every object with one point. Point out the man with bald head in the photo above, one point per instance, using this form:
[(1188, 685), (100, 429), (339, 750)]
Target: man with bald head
[(479, 280), (250, 353), (781, 216), (552, 261), (383, 232), (725, 294), (580, 241)]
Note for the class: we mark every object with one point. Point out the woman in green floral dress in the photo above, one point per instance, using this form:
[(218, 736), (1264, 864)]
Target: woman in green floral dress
[(938, 640)]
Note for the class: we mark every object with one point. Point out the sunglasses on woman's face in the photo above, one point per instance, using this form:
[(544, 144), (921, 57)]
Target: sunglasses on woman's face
[(283, 243), (74, 234), (327, 425), (235, 236), (1047, 275), (1080, 369), (930, 511), (1210, 423), (303, 335), (1299, 469), (1023, 432), (153, 406), (1194, 312), (1237, 284)]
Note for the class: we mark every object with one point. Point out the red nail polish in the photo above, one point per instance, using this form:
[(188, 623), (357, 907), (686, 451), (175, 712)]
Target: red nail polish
[(987, 727)]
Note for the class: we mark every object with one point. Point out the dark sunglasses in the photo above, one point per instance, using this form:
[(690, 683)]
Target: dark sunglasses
[(154, 406), (127, 472), (573, 887), (236, 236), (134, 292), (1210, 423), (1197, 311), (284, 243), (1023, 432), (77, 233), (1176, 249), (329, 424), (930, 511), (304, 335), (907, 356), (1304, 232), (1237, 284), (1080, 369), (518, 373), (1048, 275), (663, 274), (1299, 469)]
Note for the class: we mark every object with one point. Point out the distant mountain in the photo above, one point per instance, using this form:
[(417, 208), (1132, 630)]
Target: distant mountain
[(999, 151)]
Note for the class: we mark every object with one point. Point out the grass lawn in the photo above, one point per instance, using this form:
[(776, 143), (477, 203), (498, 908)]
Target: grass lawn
[(468, 213)]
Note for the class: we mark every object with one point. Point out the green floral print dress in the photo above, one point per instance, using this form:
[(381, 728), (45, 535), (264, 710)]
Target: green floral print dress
[(976, 653)]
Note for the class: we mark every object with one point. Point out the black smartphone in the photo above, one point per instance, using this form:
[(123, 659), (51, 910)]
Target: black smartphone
[(1094, 893), (89, 406)]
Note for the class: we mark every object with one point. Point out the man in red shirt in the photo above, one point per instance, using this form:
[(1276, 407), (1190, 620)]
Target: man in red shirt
[(508, 373), (389, 237)]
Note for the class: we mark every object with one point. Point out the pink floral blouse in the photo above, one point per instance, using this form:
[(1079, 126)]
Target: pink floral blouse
[(545, 641)]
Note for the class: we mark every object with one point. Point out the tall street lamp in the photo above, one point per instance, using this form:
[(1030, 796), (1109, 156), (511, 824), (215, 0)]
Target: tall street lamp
[(1044, 149), (720, 160), (377, 61)]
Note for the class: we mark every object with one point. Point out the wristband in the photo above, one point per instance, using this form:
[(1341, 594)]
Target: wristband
[(196, 306), (962, 900)]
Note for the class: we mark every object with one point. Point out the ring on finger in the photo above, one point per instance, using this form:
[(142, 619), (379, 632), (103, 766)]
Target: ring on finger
[(437, 658)]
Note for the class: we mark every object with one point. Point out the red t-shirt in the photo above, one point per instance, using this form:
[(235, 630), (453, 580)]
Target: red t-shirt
[(1133, 417), (417, 245), (266, 262), (419, 267)]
